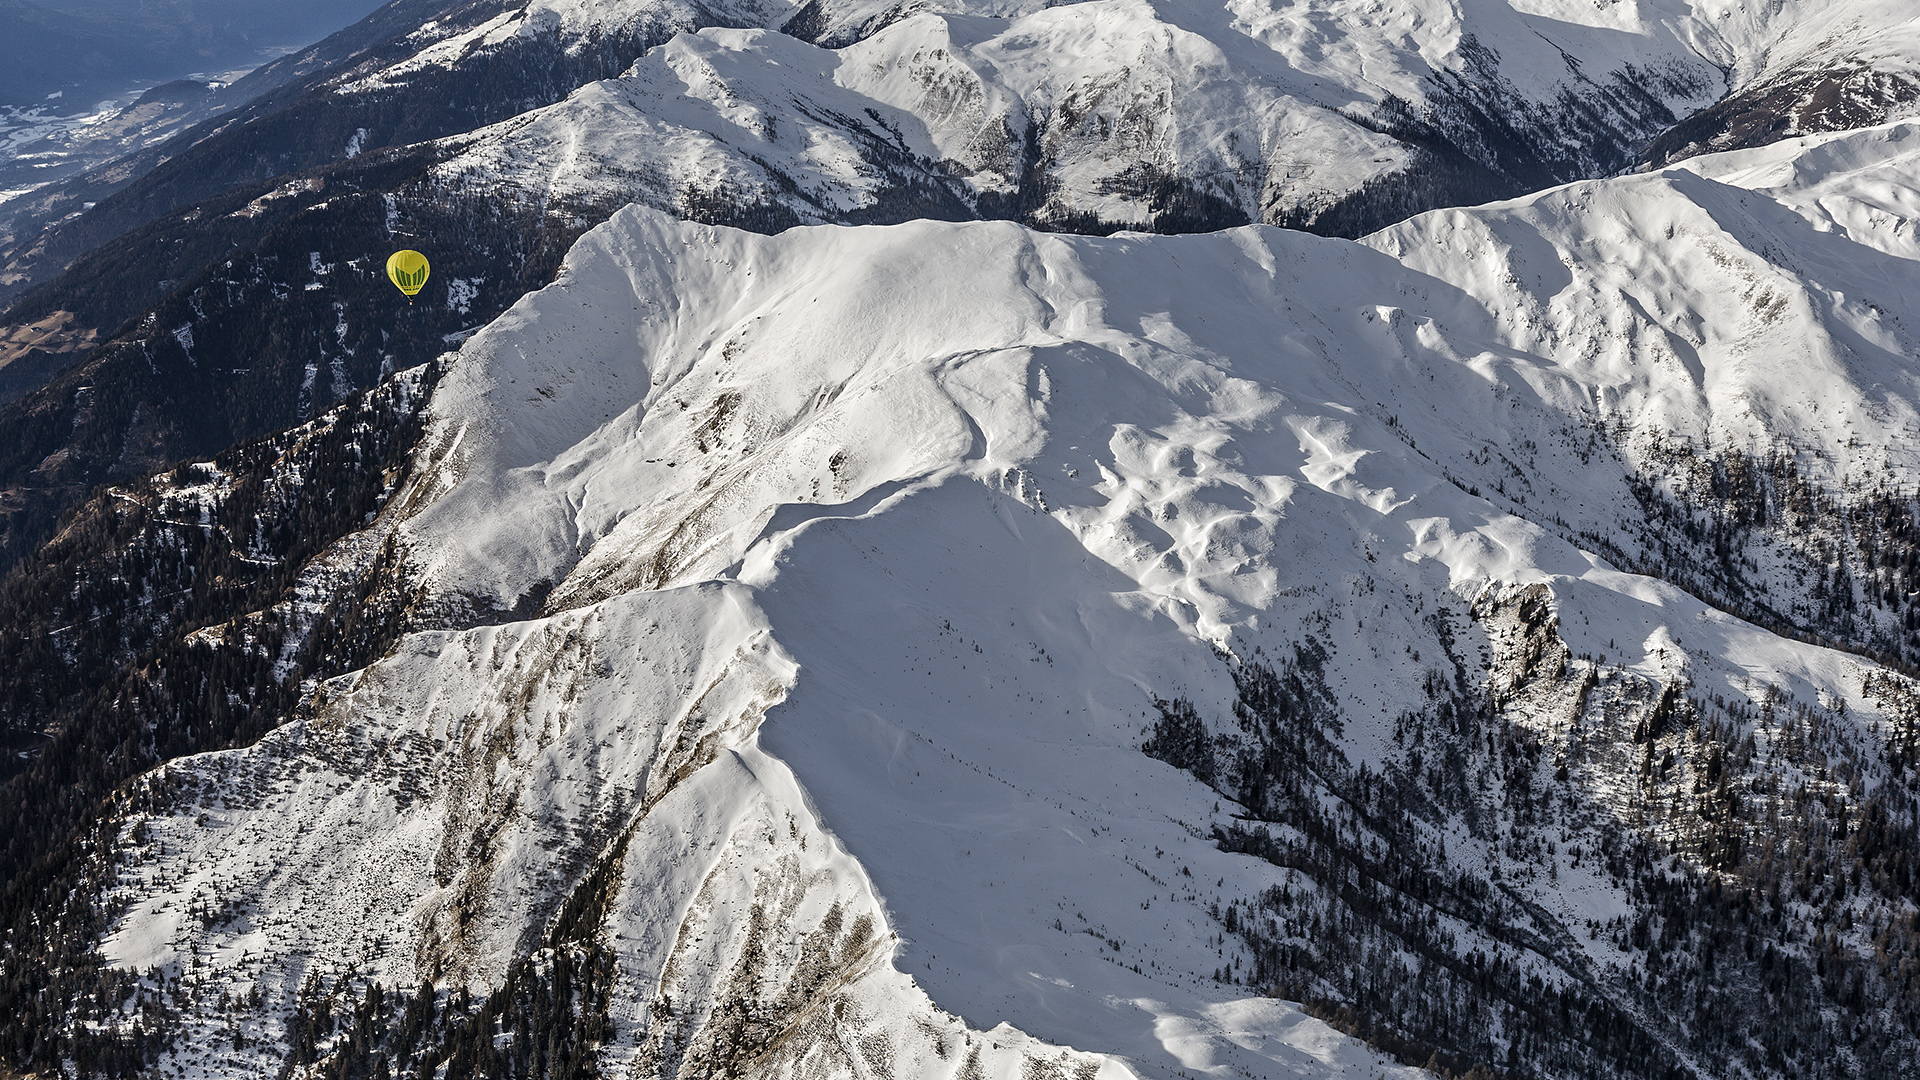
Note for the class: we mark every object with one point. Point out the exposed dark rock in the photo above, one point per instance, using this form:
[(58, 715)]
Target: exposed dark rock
[(1796, 102)]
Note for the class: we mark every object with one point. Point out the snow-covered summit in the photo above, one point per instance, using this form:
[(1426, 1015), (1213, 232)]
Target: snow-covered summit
[(1654, 308), (847, 572), (1798, 68)]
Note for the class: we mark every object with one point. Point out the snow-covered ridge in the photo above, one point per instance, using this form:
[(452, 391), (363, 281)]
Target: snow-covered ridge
[(1125, 108), (867, 556), (1655, 307), (1169, 114)]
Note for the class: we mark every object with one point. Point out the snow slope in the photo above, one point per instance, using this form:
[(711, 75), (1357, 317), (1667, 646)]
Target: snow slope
[(863, 560)]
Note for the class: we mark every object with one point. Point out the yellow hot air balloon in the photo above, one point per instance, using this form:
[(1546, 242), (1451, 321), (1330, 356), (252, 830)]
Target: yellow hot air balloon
[(408, 271)]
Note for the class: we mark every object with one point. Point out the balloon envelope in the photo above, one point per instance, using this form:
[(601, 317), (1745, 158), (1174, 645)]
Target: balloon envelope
[(408, 271)]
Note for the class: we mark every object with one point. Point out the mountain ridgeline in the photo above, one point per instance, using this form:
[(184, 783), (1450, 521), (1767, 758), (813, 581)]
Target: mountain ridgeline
[(530, 105), (814, 586)]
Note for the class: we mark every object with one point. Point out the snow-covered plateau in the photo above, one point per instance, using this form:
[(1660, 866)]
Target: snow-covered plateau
[(954, 650)]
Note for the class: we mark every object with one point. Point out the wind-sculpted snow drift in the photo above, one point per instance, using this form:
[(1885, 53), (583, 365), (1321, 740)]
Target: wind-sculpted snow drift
[(796, 610)]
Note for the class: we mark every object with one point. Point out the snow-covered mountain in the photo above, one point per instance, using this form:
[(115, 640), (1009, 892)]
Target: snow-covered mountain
[(949, 649), (1175, 115), (1335, 116), (413, 70), (886, 643), (157, 71), (1172, 117), (1169, 116)]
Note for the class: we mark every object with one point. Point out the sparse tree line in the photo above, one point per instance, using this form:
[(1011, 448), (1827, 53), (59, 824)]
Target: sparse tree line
[(1753, 535), (1771, 855), (99, 659)]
